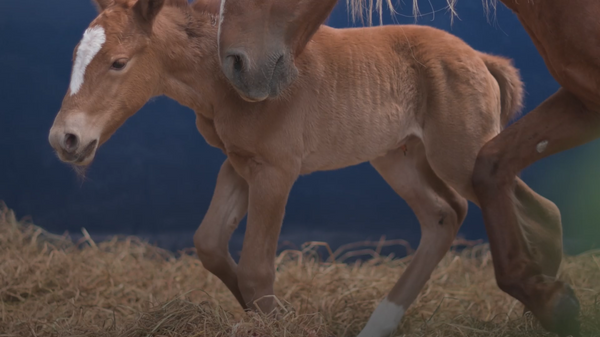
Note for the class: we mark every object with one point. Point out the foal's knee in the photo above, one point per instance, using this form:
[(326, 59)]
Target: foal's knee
[(208, 252), (256, 282)]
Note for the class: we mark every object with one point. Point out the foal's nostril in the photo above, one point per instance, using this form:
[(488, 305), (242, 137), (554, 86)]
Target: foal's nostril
[(71, 142)]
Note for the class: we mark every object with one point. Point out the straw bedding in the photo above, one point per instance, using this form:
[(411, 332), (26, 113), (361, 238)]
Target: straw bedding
[(51, 286)]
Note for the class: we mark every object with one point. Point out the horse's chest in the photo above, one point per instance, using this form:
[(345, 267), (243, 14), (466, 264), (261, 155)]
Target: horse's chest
[(227, 133), (256, 134), (207, 129), (237, 132)]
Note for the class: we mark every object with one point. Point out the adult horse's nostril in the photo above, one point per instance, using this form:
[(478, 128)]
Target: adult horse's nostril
[(279, 66), (279, 61), (71, 142), (238, 64), (238, 61)]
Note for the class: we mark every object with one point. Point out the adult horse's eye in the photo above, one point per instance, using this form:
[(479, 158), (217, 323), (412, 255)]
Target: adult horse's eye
[(119, 64)]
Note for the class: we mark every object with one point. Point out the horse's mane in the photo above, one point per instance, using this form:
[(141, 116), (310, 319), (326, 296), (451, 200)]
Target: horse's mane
[(361, 8)]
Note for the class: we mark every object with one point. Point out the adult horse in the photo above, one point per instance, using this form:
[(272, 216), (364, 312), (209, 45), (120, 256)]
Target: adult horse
[(416, 102), (565, 33)]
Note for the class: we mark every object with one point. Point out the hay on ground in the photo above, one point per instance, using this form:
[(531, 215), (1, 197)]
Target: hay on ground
[(50, 286)]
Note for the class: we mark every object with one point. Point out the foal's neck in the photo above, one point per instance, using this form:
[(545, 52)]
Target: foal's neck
[(186, 41)]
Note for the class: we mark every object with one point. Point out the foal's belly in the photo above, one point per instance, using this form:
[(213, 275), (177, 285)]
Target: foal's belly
[(333, 161), (373, 136)]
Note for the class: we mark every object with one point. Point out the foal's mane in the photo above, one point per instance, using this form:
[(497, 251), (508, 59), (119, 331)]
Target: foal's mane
[(361, 8), (211, 7)]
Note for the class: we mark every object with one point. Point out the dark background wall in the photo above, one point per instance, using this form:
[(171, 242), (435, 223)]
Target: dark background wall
[(155, 177)]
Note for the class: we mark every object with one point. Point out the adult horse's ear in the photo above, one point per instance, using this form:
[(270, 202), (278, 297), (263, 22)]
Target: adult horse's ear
[(102, 4), (306, 25), (147, 10)]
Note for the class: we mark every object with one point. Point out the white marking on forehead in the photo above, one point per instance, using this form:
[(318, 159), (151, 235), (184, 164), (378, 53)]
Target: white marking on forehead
[(90, 45)]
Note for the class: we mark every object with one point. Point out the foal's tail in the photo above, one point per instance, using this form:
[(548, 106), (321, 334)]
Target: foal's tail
[(511, 86)]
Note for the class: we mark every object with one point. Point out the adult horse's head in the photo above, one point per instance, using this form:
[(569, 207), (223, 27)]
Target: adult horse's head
[(259, 39), (110, 78)]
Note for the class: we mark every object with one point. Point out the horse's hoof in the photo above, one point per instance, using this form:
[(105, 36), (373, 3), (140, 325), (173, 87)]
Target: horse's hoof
[(564, 318), (566, 312)]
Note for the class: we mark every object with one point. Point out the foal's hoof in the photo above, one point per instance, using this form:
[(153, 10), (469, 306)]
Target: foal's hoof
[(564, 316)]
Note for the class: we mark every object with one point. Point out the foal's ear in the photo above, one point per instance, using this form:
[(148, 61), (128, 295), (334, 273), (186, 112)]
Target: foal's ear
[(102, 4), (146, 10)]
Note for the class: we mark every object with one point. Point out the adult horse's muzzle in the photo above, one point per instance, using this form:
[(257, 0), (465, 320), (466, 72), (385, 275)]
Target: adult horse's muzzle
[(257, 81)]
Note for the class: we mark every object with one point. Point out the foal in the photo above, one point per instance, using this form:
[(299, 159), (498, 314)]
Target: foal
[(416, 102), (526, 257)]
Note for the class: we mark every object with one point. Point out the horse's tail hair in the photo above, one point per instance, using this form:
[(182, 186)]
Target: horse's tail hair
[(361, 8), (511, 86)]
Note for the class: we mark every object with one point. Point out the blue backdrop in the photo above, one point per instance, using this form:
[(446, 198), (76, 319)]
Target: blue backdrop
[(156, 175)]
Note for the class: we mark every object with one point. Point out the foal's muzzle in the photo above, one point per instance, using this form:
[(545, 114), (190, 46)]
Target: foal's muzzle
[(70, 147)]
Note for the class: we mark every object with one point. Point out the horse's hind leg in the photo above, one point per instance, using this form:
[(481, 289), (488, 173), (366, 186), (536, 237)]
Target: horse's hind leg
[(559, 123), (440, 211), (540, 221)]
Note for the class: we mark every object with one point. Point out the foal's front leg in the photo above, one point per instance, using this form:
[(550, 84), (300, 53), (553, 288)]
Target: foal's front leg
[(227, 207), (269, 189)]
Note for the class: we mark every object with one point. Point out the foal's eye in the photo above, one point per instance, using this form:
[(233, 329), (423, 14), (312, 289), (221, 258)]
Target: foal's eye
[(119, 64)]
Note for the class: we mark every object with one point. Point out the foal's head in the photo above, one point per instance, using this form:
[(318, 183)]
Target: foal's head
[(259, 39), (114, 74)]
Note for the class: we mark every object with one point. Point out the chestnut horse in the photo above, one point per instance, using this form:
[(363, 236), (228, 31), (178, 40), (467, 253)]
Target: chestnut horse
[(416, 102), (565, 33)]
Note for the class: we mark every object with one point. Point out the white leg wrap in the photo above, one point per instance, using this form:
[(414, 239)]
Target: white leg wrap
[(384, 320)]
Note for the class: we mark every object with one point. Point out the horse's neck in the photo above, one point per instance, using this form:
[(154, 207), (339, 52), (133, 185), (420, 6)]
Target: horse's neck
[(188, 44), (512, 4)]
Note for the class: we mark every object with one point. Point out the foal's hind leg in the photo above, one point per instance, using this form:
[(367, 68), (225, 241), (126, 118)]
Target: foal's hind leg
[(440, 211), (228, 206), (559, 123)]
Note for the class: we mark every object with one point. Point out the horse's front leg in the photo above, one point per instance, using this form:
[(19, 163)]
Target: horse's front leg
[(227, 207), (269, 188)]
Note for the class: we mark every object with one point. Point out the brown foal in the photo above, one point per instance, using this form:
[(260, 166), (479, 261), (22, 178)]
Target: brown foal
[(416, 102), (564, 33)]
